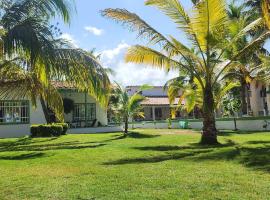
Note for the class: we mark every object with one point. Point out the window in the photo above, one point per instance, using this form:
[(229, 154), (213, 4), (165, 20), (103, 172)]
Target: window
[(79, 112), (14, 112), (158, 112)]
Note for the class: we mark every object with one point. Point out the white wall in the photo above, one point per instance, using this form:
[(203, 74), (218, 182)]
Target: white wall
[(159, 125), (20, 130), (256, 101), (243, 125), (109, 129), (101, 113)]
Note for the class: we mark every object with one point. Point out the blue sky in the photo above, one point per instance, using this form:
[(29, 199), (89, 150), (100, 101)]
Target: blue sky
[(89, 30)]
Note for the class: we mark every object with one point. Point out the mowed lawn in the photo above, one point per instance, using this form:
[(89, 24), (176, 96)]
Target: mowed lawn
[(149, 164)]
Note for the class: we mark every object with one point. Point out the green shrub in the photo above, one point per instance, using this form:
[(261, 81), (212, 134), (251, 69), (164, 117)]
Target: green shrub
[(65, 127), (48, 130)]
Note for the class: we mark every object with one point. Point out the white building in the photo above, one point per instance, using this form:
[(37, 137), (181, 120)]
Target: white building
[(259, 99), (16, 116), (157, 105)]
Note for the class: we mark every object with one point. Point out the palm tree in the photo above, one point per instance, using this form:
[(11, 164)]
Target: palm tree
[(127, 107), (206, 29), (260, 8), (191, 93), (31, 55), (239, 18)]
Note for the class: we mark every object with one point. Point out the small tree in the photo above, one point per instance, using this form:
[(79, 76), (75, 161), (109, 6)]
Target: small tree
[(231, 107), (126, 106)]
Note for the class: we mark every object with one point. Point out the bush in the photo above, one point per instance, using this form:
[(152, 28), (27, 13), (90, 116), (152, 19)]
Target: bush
[(50, 130), (65, 127)]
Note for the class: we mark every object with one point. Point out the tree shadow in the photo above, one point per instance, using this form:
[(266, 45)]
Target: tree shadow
[(191, 146), (22, 141), (258, 142), (24, 156), (257, 158), (55, 146), (138, 135), (155, 159)]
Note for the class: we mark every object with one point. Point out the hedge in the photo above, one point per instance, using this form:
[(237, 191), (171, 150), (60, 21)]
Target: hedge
[(48, 130)]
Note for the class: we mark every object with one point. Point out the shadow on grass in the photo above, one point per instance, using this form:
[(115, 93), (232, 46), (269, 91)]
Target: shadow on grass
[(155, 159), (24, 156), (231, 132), (257, 158), (138, 135), (194, 146), (18, 146)]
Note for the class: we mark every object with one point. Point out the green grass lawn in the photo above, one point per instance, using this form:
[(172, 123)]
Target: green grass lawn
[(149, 164)]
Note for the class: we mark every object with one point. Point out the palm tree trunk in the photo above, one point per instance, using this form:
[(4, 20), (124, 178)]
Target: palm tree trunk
[(243, 97), (126, 126), (235, 124), (45, 110), (209, 133)]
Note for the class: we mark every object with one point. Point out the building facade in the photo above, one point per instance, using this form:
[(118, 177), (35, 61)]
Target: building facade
[(157, 105), (16, 116)]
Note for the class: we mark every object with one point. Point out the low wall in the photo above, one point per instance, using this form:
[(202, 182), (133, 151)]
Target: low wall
[(243, 125), (107, 129), (14, 131), (152, 125)]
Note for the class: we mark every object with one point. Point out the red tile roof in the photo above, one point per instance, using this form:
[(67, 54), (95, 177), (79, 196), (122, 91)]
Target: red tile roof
[(62, 85), (158, 101)]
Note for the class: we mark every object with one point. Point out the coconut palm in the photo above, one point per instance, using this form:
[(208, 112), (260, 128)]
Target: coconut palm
[(260, 8), (247, 69), (127, 107), (206, 29), (31, 54), (190, 93)]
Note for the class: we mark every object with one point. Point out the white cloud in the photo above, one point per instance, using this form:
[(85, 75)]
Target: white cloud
[(133, 74), (110, 54), (94, 30), (70, 39)]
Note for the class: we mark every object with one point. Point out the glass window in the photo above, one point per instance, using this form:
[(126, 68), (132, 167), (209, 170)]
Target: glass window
[(14, 112), (79, 112)]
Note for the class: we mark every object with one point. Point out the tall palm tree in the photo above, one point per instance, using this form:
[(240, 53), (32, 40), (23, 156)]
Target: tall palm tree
[(260, 8), (240, 17), (125, 106), (31, 55), (206, 29), (192, 93)]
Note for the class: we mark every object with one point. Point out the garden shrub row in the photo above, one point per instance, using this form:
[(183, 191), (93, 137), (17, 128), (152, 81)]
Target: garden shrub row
[(49, 130)]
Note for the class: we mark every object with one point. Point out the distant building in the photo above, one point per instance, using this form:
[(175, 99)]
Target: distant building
[(157, 105), (258, 99)]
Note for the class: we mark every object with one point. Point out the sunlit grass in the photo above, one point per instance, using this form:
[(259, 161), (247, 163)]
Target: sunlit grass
[(149, 164)]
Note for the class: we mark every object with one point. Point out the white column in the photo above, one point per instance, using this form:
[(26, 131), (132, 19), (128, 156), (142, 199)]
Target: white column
[(153, 113)]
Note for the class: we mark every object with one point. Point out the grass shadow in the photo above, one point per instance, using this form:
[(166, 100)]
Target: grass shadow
[(138, 135), (192, 146), (55, 146), (155, 159), (24, 156), (257, 158)]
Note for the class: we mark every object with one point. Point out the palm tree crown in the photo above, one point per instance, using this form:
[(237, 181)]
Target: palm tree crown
[(207, 30)]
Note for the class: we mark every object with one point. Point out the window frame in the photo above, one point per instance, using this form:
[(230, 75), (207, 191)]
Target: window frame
[(27, 103), (87, 117)]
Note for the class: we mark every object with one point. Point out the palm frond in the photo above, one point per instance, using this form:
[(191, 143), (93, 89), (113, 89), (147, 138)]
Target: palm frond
[(145, 55), (46, 8), (209, 22), (174, 10)]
